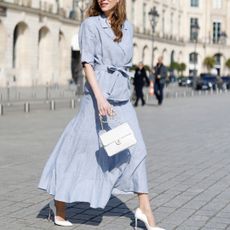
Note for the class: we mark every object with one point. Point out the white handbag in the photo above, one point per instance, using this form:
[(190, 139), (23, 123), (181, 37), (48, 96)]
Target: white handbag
[(118, 139)]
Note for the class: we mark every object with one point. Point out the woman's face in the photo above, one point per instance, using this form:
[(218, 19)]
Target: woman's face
[(107, 5)]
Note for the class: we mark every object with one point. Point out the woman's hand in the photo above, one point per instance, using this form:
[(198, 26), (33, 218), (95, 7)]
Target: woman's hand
[(104, 107)]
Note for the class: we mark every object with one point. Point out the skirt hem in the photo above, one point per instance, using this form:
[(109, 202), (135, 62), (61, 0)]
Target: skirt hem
[(115, 192)]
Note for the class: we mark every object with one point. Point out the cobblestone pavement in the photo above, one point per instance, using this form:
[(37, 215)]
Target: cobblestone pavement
[(188, 168)]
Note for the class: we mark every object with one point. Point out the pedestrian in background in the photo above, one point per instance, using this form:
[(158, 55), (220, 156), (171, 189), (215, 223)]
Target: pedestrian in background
[(79, 169), (160, 79), (140, 80)]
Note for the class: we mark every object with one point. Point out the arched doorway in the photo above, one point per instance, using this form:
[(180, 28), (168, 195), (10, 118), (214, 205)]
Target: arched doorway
[(45, 58), (193, 63), (2, 45), (219, 63), (180, 57), (146, 55), (64, 59), (76, 66), (156, 54), (2, 53), (172, 57), (20, 57), (164, 55), (136, 58)]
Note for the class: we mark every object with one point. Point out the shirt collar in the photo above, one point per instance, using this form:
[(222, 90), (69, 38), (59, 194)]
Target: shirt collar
[(105, 24)]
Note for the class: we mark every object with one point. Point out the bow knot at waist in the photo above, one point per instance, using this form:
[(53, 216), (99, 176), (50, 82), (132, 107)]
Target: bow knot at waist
[(110, 68)]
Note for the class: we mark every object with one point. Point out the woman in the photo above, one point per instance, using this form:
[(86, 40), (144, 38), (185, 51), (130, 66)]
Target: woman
[(139, 81), (79, 169)]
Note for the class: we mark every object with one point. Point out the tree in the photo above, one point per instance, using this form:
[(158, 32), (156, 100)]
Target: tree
[(133, 67), (181, 68), (227, 63), (209, 63), (174, 66), (147, 68)]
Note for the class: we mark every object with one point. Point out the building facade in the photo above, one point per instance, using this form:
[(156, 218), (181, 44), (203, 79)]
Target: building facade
[(38, 38), (174, 39)]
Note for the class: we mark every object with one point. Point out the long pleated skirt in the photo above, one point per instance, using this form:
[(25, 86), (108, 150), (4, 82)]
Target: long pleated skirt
[(79, 170)]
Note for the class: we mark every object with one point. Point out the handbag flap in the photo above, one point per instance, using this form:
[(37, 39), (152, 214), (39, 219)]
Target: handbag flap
[(124, 143), (120, 131)]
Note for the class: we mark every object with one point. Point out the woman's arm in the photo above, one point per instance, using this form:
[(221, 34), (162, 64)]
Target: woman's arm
[(104, 107)]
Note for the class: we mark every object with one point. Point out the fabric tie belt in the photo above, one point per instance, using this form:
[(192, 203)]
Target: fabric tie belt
[(111, 68)]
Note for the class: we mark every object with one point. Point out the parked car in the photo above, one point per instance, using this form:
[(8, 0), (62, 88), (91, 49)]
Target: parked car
[(209, 81), (226, 82), (202, 84), (185, 81)]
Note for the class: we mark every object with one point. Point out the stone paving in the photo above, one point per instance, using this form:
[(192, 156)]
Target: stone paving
[(188, 168)]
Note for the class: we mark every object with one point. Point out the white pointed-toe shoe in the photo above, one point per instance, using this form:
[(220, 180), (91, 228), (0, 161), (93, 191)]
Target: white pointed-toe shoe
[(63, 223), (139, 215)]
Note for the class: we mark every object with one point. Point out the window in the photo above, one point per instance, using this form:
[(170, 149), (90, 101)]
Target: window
[(218, 59), (216, 32), (216, 4), (133, 10), (193, 58), (171, 24), (163, 23), (194, 3), (179, 26), (193, 61), (144, 17), (193, 35)]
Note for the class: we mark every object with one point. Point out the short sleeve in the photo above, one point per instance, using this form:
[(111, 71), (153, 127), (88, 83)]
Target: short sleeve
[(87, 42)]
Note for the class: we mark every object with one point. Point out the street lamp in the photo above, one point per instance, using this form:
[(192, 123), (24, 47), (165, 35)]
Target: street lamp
[(153, 17), (222, 41), (195, 31), (81, 5)]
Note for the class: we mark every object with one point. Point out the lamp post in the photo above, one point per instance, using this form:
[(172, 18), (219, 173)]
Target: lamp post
[(153, 16), (81, 5), (222, 41), (195, 31)]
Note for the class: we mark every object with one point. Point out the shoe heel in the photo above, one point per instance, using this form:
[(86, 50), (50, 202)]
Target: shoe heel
[(49, 215)]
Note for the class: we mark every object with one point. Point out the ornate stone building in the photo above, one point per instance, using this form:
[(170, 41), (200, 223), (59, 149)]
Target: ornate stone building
[(174, 37), (38, 38)]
